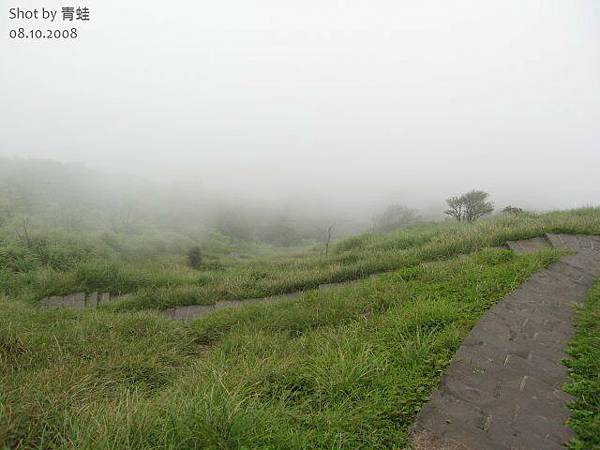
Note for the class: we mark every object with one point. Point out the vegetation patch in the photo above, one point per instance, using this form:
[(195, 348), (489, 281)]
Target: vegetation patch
[(345, 368), (585, 375), (353, 259)]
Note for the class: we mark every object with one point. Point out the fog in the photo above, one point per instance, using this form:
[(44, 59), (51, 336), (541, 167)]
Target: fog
[(343, 106)]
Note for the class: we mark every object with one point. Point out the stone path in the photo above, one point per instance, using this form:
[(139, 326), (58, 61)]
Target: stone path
[(78, 300), (195, 311), (502, 389), (529, 245), (82, 300)]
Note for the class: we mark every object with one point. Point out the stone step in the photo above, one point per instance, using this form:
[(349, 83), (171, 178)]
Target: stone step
[(528, 245), (573, 242), (79, 300)]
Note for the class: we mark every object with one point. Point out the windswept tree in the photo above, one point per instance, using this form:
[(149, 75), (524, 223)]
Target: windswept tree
[(395, 216), (24, 233), (470, 206)]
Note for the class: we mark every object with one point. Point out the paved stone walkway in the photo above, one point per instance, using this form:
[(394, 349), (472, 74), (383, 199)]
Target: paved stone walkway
[(196, 311), (502, 389), (79, 300), (82, 300)]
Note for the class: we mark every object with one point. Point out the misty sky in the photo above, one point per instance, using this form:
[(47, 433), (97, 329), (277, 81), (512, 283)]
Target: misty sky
[(337, 103)]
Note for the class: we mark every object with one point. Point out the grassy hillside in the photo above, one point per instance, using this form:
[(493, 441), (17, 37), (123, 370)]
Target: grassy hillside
[(343, 368), (347, 368), (76, 267), (62, 227), (133, 217)]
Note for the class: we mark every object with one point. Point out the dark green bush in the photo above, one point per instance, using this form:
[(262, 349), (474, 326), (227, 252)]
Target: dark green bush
[(195, 257)]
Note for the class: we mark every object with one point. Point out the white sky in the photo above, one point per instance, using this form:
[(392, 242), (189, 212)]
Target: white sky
[(339, 103)]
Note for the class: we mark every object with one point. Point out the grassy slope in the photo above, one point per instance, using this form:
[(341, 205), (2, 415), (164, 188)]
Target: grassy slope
[(160, 285), (347, 368), (60, 264), (353, 259), (585, 375)]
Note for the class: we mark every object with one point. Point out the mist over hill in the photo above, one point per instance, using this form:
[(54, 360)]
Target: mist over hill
[(50, 195)]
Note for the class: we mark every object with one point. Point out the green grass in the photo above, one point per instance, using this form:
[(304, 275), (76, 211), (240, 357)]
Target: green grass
[(376, 253), (57, 263), (360, 257), (342, 368), (263, 275), (345, 368), (585, 375)]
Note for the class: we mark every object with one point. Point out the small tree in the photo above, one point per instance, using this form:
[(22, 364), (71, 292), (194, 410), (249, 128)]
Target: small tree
[(24, 235), (194, 257), (470, 206), (329, 234)]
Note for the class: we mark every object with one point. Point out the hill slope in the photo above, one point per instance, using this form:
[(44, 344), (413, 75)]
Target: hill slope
[(344, 368)]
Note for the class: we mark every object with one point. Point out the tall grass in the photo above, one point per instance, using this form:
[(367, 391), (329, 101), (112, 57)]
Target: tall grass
[(346, 368), (353, 258), (585, 375)]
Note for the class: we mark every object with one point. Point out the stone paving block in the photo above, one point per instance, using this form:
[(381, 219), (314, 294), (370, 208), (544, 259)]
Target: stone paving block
[(507, 433), (92, 300), (528, 324), (454, 421), (52, 302), (79, 300), (589, 265), (69, 301), (557, 242), (74, 301), (571, 272), (480, 360), (189, 312), (528, 246)]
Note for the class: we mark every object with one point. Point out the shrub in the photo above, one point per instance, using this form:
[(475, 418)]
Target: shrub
[(195, 257)]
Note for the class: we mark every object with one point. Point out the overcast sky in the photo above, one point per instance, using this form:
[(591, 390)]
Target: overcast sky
[(337, 102)]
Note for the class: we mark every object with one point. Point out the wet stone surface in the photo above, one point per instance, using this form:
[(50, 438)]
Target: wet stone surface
[(502, 389)]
